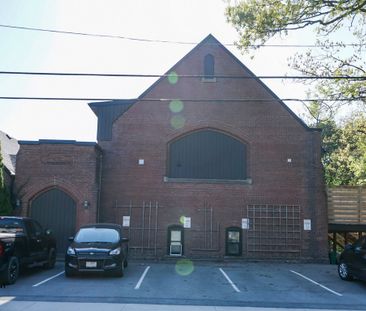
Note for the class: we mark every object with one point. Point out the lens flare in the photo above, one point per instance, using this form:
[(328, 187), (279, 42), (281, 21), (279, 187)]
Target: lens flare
[(177, 122), (184, 267), (173, 77), (176, 106)]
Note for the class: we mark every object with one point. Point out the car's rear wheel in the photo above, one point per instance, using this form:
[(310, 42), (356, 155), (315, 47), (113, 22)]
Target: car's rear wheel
[(11, 273), (51, 259), (343, 271)]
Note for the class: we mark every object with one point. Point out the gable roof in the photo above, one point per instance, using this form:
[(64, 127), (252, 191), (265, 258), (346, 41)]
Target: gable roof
[(9, 149), (109, 111), (211, 40)]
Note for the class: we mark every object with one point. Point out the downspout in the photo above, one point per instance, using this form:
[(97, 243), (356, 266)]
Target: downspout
[(99, 185)]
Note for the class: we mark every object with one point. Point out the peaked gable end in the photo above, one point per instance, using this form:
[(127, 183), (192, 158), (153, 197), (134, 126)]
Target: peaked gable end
[(210, 62)]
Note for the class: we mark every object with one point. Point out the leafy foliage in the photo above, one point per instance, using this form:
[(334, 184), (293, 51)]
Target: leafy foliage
[(344, 151), (346, 165), (258, 20), (5, 203)]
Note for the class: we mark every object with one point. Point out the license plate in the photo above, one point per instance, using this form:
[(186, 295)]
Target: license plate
[(91, 264)]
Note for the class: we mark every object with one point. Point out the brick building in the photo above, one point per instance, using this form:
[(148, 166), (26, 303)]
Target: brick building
[(206, 163)]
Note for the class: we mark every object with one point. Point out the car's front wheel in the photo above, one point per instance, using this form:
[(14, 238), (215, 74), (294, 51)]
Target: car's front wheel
[(69, 272), (121, 270), (343, 271)]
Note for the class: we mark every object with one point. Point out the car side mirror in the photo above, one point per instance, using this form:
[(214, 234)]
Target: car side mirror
[(71, 238), (357, 249), (125, 239)]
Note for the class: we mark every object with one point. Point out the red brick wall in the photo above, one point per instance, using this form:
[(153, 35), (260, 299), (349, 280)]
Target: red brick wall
[(69, 167), (273, 136)]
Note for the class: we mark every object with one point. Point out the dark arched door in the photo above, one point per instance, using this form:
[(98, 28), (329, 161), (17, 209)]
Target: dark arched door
[(55, 210)]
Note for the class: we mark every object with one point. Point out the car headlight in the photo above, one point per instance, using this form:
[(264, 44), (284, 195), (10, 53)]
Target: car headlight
[(116, 251), (70, 251)]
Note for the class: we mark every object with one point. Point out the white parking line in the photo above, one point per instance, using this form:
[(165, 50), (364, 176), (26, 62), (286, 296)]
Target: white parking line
[(316, 283), (142, 278), (230, 281), (46, 280)]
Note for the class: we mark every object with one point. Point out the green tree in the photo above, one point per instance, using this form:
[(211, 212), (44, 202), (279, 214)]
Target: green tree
[(5, 203), (259, 20), (344, 151)]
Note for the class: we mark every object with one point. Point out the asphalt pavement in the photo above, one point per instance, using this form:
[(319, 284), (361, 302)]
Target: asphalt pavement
[(188, 285), (7, 304)]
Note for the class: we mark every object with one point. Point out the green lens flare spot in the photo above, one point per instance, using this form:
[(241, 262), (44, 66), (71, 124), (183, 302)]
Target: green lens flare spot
[(184, 267), (177, 122), (173, 77), (176, 106)]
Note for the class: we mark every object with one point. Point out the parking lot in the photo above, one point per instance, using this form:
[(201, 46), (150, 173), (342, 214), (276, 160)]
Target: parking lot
[(199, 283)]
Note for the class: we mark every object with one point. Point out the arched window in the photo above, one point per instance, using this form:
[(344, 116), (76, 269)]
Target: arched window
[(207, 154), (209, 67)]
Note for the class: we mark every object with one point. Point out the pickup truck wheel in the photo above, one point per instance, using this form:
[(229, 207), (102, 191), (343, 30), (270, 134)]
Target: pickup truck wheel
[(51, 259), (11, 272)]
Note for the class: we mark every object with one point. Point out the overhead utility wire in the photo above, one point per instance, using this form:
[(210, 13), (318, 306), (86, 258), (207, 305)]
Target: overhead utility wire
[(78, 74), (164, 41), (183, 100)]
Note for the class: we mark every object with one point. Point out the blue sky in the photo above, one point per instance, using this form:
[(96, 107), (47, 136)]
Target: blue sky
[(175, 20)]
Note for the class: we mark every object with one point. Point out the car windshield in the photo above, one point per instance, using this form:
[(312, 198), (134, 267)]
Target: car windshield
[(101, 235), (8, 225)]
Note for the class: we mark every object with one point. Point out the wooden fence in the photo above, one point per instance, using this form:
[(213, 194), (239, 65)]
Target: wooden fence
[(347, 205)]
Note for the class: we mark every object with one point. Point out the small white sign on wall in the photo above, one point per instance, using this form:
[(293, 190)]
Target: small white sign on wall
[(245, 223), (187, 222), (126, 221), (307, 224)]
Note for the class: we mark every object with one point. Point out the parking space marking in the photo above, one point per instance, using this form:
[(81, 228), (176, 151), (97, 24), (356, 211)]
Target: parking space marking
[(230, 281), (46, 280), (316, 283), (142, 278)]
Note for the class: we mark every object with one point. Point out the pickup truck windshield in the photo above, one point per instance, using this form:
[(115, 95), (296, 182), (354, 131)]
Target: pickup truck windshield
[(8, 225), (100, 235)]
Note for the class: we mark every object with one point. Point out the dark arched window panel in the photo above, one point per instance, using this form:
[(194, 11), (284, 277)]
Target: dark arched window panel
[(207, 154), (209, 67)]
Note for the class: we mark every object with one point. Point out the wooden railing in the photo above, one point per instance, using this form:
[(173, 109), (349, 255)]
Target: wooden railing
[(347, 205)]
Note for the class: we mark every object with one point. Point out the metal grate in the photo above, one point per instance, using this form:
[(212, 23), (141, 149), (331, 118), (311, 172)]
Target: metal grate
[(143, 230), (176, 249), (274, 230)]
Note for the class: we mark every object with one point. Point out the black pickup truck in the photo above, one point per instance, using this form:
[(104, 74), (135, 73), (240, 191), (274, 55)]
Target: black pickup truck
[(23, 243)]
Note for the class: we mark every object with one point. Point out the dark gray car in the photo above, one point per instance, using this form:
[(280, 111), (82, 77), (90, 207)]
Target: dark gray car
[(97, 248), (352, 262)]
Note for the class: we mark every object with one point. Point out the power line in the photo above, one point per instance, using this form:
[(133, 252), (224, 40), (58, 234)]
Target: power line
[(185, 99), (175, 75), (168, 41)]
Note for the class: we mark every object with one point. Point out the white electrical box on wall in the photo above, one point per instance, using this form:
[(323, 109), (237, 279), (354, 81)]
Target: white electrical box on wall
[(307, 224), (187, 222), (126, 221), (245, 223)]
